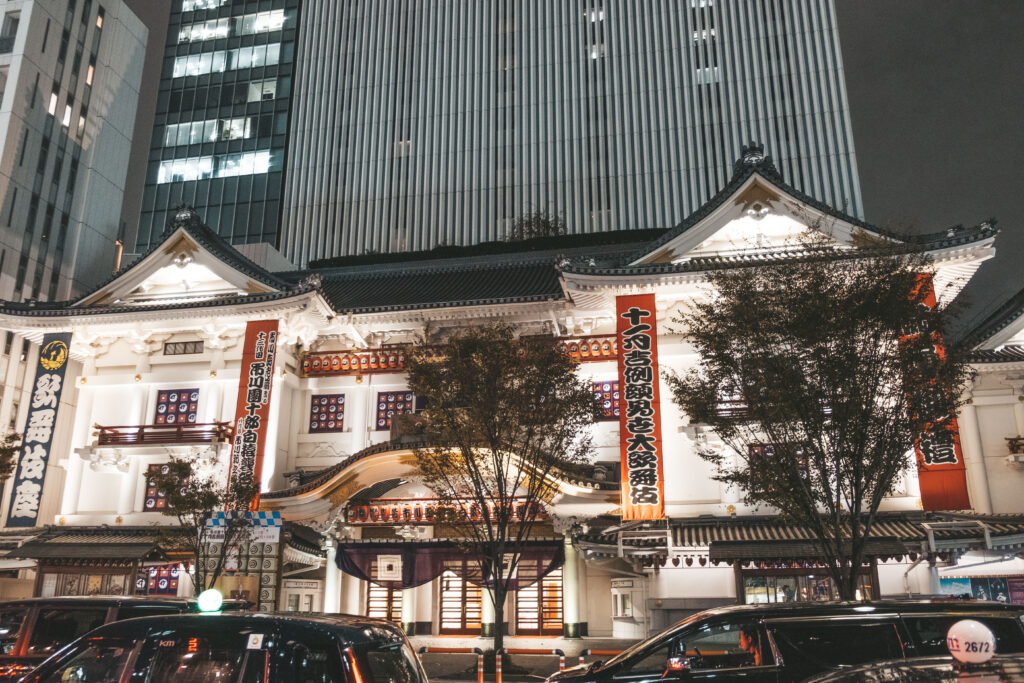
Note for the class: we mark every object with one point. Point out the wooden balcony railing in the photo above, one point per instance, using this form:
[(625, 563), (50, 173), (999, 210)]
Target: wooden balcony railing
[(391, 359), (144, 435)]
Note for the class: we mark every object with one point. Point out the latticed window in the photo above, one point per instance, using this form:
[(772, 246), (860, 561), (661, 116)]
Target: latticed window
[(607, 396), (383, 602), (391, 403), (460, 602), (177, 406), (539, 607), (327, 413)]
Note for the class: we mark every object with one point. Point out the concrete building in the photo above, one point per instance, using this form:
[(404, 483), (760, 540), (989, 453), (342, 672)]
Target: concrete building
[(70, 72), (414, 125), (157, 356)]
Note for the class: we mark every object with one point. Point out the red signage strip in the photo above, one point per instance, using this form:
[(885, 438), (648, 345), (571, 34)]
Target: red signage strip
[(940, 459), (643, 479), (252, 410)]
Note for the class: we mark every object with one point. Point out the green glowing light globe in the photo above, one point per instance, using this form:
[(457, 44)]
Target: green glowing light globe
[(210, 600)]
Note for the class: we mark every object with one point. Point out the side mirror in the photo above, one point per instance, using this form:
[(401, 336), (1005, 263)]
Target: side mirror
[(678, 663), (677, 659)]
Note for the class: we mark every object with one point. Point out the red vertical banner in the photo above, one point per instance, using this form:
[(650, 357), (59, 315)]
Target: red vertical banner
[(940, 459), (252, 409), (643, 478)]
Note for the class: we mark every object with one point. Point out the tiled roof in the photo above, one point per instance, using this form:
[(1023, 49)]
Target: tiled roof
[(1007, 354), (907, 528), (1002, 317), (67, 308), (404, 289), (754, 161)]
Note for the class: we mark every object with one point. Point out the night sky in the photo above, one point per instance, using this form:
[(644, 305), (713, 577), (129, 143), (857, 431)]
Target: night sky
[(936, 91)]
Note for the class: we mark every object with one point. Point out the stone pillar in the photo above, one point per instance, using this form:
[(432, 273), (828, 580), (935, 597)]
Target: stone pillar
[(130, 482), (409, 611), (571, 591), (351, 595), (1018, 412), (425, 609), (486, 613), (933, 577), (332, 579), (974, 457)]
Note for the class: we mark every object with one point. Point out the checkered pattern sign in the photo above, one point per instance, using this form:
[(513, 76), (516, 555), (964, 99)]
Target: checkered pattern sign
[(260, 518)]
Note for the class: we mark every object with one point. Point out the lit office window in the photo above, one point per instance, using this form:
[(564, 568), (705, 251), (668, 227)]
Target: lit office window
[(248, 163), (66, 120), (213, 130), (90, 72), (263, 90), (52, 108), (245, 25), (193, 5), (205, 30), (227, 60), (221, 166)]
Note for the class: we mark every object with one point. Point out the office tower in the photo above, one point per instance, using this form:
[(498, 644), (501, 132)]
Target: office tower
[(222, 117), (70, 72), (417, 123)]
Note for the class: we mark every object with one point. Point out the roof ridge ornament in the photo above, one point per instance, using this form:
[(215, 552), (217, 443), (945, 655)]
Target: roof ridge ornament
[(752, 156), (185, 215)]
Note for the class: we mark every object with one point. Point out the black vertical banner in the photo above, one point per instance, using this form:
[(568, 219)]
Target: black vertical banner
[(37, 435)]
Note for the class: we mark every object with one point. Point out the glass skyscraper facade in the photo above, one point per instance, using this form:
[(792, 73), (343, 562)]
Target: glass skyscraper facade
[(336, 127), (221, 127)]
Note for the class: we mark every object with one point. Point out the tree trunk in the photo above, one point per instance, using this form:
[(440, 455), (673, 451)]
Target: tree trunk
[(499, 619)]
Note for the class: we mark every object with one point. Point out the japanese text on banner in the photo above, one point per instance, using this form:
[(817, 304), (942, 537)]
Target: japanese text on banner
[(252, 410), (643, 481), (940, 461), (37, 436)]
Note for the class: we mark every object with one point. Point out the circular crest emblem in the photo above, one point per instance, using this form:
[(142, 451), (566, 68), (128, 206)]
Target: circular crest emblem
[(53, 355)]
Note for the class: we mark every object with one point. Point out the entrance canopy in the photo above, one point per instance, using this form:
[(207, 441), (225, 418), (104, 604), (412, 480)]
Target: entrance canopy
[(407, 564)]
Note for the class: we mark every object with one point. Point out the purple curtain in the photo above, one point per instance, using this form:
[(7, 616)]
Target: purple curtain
[(422, 562)]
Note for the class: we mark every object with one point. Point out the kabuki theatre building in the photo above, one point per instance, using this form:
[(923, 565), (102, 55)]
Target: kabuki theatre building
[(297, 377)]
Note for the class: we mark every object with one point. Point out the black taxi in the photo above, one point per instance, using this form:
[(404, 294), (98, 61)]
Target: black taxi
[(238, 647), (791, 642), (32, 629)]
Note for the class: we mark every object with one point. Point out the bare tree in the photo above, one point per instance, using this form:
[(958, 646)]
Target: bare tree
[(536, 224), (194, 492), (504, 413), (820, 373)]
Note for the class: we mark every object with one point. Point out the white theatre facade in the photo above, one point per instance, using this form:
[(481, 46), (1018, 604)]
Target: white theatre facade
[(155, 359)]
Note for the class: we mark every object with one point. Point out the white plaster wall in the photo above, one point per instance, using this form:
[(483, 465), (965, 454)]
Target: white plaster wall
[(694, 582), (996, 423), (596, 602)]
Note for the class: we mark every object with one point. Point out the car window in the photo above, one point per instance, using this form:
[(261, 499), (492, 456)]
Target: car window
[(722, 645), (392, 662), (929, 632), (57, 626), (726, 646), (307, 663), (98, 660), (132, 611), (824, 644), (11, 619), (176, 658)]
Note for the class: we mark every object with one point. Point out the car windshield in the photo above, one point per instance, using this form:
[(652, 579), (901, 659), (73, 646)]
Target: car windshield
[(181, 657), (97, 660)]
